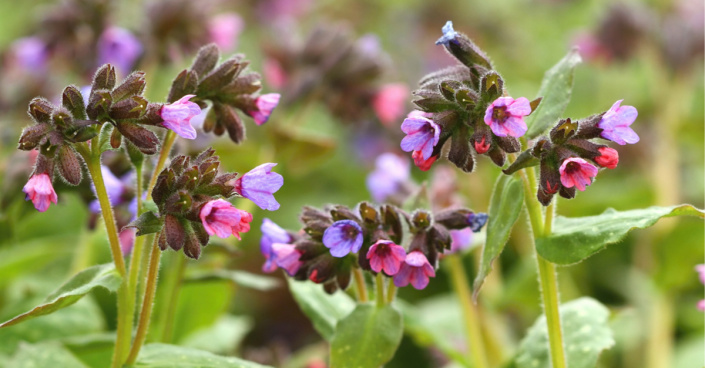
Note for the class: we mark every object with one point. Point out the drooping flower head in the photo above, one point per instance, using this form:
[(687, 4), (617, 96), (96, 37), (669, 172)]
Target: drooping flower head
[(119, 47), (505, 116), (415, 270), (422, 134), (449, 34), (287, 257), (615, 124), (423, 165), (609, 157), (390, 172), (387, 256), (265, 105), (40, 191), (271, 233), (576, 172), (224, 30), (219, 217), (177, 116), (259, 186), (389, 101), (343, 237)]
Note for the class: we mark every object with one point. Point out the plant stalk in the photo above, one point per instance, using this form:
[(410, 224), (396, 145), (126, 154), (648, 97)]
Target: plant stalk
[(379, 280), (391, 291), (360, 285)]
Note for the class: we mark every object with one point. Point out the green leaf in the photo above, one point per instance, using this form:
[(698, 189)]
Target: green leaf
[(242, 278), (505, 206), (556, 88), (104, 137), (585, 334), (73, 290), (575, 239), (147, 223), (31, 256), (221, 338), (92, 349), (322, 309), (44, 355), (367, 338), (170, 356)]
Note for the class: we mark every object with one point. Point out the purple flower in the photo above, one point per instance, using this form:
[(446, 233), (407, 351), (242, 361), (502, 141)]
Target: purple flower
[(343, 237), (40, 191), (287, 257), (177, 116), (259, 185), (415, 270), (115, 188), (615, 124), (224, 30), (120, 48), (271, 233), (265, 104), (505, 116), (219, 217), (30, 53), (449, 34), (576, 172), (477, 221), (387, 256), (460, 240), (391, 171), (421, 135)]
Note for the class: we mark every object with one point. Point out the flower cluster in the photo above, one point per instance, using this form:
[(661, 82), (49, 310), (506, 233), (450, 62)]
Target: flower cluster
[(337, 239)]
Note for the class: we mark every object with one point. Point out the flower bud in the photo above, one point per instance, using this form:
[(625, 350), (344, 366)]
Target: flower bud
[(70, 165), (104, 78), (146, 141), (462, 48), (608, 158), (206, 60), (40, 110), (32, 136), (175, 232), (72, 100), (133, 85)]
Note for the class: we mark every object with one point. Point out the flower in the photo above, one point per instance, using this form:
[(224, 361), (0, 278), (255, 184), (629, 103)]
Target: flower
[(415, 270), (460, 240), (343, 237), (220, 218), (259, 185), (505, 116), (224, 30), (127, 240), (576, 172), (391, 171), (40, 191), (271, 233), (177, 116), (274, 73), (608, 158), (287, 257), (477, 221), (119, 47), (29, 54), (387, 256), (265, 105), (244, 225), (482, 146), (423, 165), (615, 124), (421, 135), (419, 113), (449, 34), (388, 102)]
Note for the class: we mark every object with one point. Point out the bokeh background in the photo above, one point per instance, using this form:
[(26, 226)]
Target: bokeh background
[(325, 136)]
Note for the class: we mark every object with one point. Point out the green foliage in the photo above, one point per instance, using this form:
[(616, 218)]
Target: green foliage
[(241, 278), (556, 89), (585, 334), (322, 309), (44, 355), (221, 338), (147, 223), (367, 338), (574, 239), (505, 206), (168, 356)]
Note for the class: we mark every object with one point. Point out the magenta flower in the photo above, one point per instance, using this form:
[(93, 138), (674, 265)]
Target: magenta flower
[(287, 257), (422, 135), (576, 172), (259, 185), (177, 116), (415, 270), (391, 171), (265, 105), (505, 116), (244, 225), (119, 47), (608, 157), (40, 191), (343, 237), (271, 233), (388, 103), (615, 124), (222, 219), (482, 146), (423, 165), (224, 30), (387, 256)]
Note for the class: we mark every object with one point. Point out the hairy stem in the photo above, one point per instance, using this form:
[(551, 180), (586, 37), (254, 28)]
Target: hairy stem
[(379, 281), (170, 302), (360, 285), (459, 282)]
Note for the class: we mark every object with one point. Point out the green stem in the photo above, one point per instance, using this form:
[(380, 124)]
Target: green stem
[(379, 280), (391, 291), (135, 258), (360, 285), (459, 281), (147, 301), (169, 139), (171, 297)]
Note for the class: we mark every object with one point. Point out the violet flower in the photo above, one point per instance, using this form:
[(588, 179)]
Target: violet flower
[(265, 105), (343, 237), (40, 191), (30, 54), (576, 172), (391, 171), (449, 34), (271, 233), (505, 116), (415, 270), (119, 47), (460, 240), (477, 221), (224, 30), (177, 116), (387, 256), (422, 134), (287, 257), (615, 124), (259, 185)]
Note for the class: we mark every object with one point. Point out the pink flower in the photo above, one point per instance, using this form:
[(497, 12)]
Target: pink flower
[(615, 124), (222, 219), (40, 191), (265, 105), (127, 240), (387, 256), (505, 116), (701, 272), (244, 225), (224, 30), (576, 172), (274, 73), (177, 116), (422, 134), (389, 102), (287, 257), (608, 158), (415, 270), (482, 146), (423, 165)]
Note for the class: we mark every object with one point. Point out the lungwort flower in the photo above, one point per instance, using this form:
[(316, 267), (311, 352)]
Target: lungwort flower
[(615, 124), (259, 186), (422, 134), (505, 116), (387, 256), (177, 116), (576, 172), (40, 191), (343, 237), (415, 270), (271, 233)]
